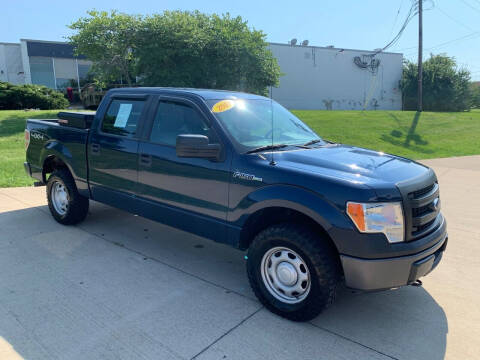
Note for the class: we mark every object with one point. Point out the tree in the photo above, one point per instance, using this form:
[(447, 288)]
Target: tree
[(475, 88), (178, 48), (108, 40), (445, 87)]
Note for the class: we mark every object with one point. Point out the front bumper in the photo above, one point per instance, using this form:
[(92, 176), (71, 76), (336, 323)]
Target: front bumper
[(377, 274)]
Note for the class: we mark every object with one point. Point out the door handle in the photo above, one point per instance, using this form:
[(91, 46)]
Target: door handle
[(95, 148), (145, 159)]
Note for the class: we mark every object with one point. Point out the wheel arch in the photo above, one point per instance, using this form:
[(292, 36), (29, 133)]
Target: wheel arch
[(281, 203), (51, 163), (272, 215)]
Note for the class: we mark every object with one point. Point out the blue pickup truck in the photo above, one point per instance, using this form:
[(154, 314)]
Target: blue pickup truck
[(242, 170)]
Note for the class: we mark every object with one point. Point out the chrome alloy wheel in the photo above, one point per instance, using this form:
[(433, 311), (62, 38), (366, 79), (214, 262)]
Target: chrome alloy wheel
[(285, 275), (59, 196)]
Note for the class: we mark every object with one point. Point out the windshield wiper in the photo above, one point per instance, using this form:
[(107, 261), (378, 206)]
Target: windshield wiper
[(311, 142), (267, 147)]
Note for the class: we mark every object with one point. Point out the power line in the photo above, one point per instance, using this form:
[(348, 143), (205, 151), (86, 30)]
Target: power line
[(451, 18), (466, 37), (471, 6), (470, 36), (410, 15), (412, 12), (408, 48), (396, 18), (455, 20)]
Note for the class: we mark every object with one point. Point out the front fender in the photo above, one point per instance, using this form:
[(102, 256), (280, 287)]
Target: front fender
[(307, 202)]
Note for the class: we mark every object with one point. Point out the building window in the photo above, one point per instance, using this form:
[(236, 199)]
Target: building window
[(62, 83), (41, 69), (83, 71), (65, 73)]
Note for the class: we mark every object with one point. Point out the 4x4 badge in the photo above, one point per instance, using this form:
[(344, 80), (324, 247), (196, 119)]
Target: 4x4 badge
[(38, 135)]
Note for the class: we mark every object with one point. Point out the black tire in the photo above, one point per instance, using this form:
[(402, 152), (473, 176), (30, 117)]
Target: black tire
[(77, 208), (320, 257)]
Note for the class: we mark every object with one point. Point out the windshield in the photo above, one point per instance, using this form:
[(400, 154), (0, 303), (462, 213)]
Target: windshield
[(249, 123)]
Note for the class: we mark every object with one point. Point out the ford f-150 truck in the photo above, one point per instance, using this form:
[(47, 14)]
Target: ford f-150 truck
[(242, 170)]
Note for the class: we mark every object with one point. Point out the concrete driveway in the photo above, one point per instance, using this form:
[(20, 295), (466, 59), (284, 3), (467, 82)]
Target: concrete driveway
[(122, 287)]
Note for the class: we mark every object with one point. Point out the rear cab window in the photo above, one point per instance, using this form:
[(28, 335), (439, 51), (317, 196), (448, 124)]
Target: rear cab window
[(122, 117)]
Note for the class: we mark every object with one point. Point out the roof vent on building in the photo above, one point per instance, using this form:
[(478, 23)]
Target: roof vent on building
[(293, 42), (330, 46), (305, 43)]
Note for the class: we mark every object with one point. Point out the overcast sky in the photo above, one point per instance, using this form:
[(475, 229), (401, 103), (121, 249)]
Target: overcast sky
[(451, 26)]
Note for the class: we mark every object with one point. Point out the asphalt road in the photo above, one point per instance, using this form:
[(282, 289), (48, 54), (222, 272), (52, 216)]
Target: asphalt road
[(119, 286)]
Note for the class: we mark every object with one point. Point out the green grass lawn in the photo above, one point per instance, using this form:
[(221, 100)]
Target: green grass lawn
[(424, 136), (429, 135), (12, 145)]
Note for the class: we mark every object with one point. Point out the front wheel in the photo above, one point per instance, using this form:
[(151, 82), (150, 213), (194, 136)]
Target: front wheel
[(65, 203), (293, 271)]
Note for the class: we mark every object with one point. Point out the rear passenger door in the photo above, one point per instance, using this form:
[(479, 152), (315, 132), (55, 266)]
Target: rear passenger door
[(113, 150), (187, 193)]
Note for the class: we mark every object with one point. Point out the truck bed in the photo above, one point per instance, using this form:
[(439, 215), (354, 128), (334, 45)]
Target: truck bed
[(48, 138)]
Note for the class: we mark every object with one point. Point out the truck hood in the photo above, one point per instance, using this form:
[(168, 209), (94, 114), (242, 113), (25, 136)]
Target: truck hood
[(352, 163)]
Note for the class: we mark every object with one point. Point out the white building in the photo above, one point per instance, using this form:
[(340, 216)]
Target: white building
[(337, 79), (312, 77), (48, 63), (11, 68)]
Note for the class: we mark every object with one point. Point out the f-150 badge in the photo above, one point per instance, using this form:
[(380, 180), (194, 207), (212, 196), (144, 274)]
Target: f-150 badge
[(243, 176)]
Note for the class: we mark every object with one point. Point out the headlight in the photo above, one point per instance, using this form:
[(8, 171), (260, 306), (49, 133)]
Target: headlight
[(386, 218)]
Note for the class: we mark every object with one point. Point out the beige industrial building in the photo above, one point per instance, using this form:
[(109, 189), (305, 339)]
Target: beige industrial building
[(337, 79)]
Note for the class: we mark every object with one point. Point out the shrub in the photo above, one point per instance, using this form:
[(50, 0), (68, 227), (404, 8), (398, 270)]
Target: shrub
[(445, 86), (14, 97)]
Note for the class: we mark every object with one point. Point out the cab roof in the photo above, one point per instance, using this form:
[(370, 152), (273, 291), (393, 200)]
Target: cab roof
[(206, 94)]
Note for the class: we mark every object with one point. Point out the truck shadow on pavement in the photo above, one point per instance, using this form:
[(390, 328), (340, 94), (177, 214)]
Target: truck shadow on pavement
[(406, 323)]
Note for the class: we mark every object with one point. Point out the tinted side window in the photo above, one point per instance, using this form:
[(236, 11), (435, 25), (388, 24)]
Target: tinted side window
[(122, 117), (174, 118)]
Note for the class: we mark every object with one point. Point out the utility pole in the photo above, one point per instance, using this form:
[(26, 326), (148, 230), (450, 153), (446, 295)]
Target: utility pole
[(420, 53)]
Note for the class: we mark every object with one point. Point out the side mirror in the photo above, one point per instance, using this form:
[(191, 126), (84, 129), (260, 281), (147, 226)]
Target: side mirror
[(197, 146)]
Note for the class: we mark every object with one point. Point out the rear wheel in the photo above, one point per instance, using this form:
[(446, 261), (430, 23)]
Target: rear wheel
[(65, 203), (293, 271)]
